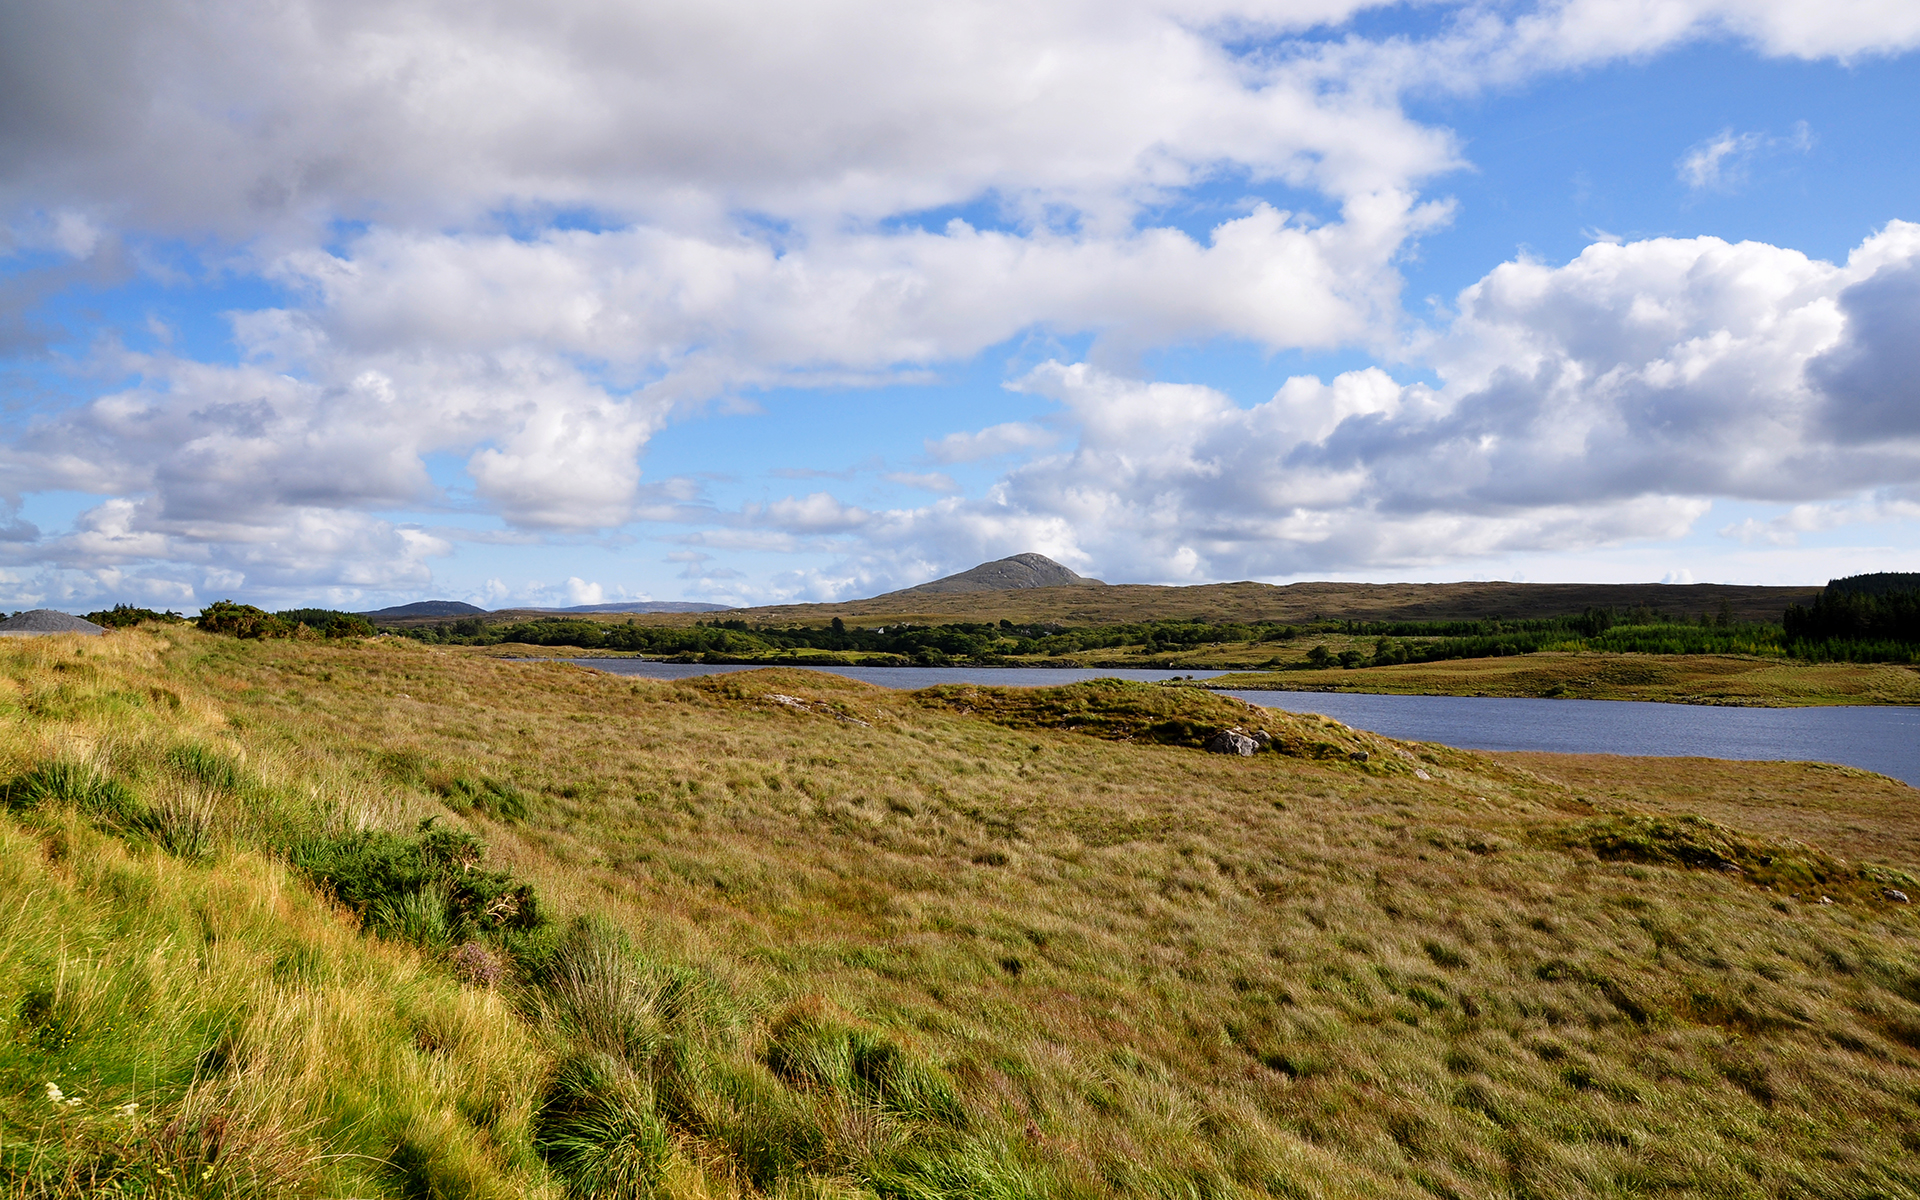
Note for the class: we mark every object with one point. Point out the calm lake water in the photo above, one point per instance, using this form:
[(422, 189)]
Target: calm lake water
[(1882, 739)]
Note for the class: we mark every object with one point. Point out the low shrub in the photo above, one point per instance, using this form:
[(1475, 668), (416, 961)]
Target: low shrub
[(1695, 843), (425, 886), (242, 621), (122, 616)]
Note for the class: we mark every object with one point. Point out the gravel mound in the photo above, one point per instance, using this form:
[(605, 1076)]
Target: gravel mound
[(46, 620)]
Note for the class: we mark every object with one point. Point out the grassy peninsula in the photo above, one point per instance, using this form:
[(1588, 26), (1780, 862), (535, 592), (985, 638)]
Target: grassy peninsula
[(369, 917)]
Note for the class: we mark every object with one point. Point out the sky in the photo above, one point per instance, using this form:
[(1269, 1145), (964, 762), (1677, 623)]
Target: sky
[(351, 304)]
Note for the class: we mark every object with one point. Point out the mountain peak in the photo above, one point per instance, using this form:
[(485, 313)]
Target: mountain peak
[(1008, 574)]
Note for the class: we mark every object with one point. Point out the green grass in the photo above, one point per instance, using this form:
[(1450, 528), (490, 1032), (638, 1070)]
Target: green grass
[(807, 937)]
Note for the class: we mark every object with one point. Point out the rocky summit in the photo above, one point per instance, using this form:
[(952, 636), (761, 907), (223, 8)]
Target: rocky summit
[(1006, 575)]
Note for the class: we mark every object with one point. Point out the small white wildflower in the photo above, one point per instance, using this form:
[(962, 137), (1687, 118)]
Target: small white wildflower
[(130, 1110), (54, 1094)]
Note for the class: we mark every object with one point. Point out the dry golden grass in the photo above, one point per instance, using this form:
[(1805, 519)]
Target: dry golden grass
[(1145, 970), (1854, 813)]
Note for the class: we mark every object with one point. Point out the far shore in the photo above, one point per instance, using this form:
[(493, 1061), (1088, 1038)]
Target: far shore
[(1735, 680)]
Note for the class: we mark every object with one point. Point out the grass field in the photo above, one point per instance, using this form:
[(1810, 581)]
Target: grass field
[(801, 937), (1682, 679)]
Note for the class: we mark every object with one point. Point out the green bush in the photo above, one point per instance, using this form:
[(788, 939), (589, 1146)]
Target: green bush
[(122, 616), (395, 881), (328, 622), (242, 621)]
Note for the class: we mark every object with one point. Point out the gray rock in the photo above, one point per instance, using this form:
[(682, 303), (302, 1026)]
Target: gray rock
[(1359, 756), (43, 621), (1229, 742), (1896, 895)]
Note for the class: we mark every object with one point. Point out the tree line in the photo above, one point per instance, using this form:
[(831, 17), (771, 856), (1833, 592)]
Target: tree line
[(1872, 609)]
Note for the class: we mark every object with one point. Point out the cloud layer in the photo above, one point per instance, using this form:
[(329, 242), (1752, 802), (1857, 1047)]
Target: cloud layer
[(511, 242), (1608, 399)]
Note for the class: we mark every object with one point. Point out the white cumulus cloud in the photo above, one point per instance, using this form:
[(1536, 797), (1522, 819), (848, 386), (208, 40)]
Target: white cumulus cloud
[(1609, 399)]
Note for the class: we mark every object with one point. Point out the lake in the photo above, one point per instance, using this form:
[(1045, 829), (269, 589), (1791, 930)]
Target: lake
[(1873, 738)]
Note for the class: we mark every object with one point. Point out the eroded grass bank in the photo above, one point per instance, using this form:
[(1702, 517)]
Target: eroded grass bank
[(785, 934)]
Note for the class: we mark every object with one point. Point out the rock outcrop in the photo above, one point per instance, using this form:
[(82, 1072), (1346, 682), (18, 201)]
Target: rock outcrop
[(43, 621)]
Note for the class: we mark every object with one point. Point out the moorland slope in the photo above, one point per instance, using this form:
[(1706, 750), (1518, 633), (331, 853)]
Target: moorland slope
[(369, 917)]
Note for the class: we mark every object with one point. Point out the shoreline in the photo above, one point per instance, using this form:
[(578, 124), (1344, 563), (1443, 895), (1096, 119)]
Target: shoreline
[(1725, 681)]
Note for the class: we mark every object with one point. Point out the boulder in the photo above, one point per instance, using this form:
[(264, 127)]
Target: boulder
[(1228, 741), (41, 622)]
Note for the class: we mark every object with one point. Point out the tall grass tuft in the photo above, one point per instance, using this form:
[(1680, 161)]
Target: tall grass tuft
[(417, 916), (182, 825), (818, 1052), (64, 783), (598, 1129), (208, 768), (608, 997)]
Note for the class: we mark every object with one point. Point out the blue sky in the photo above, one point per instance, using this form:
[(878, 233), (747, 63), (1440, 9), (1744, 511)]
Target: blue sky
[(355, 304)]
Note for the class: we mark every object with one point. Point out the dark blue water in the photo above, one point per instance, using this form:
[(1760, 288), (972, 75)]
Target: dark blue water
[(1882, 739)]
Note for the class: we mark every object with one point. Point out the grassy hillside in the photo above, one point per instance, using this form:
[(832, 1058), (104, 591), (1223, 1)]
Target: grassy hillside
[(776, 933)]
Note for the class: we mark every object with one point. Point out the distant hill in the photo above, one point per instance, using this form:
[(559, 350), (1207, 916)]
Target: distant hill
[(426, 611), (424, 608), (1004, 575), (638, 606), (1297, 602)]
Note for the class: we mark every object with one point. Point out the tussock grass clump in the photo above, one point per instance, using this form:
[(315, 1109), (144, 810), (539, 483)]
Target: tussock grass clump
[(207, 767), (79, 786), (599, 1130), (1690, 841), (497, 799), (818, 1051), (220, 1033)]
